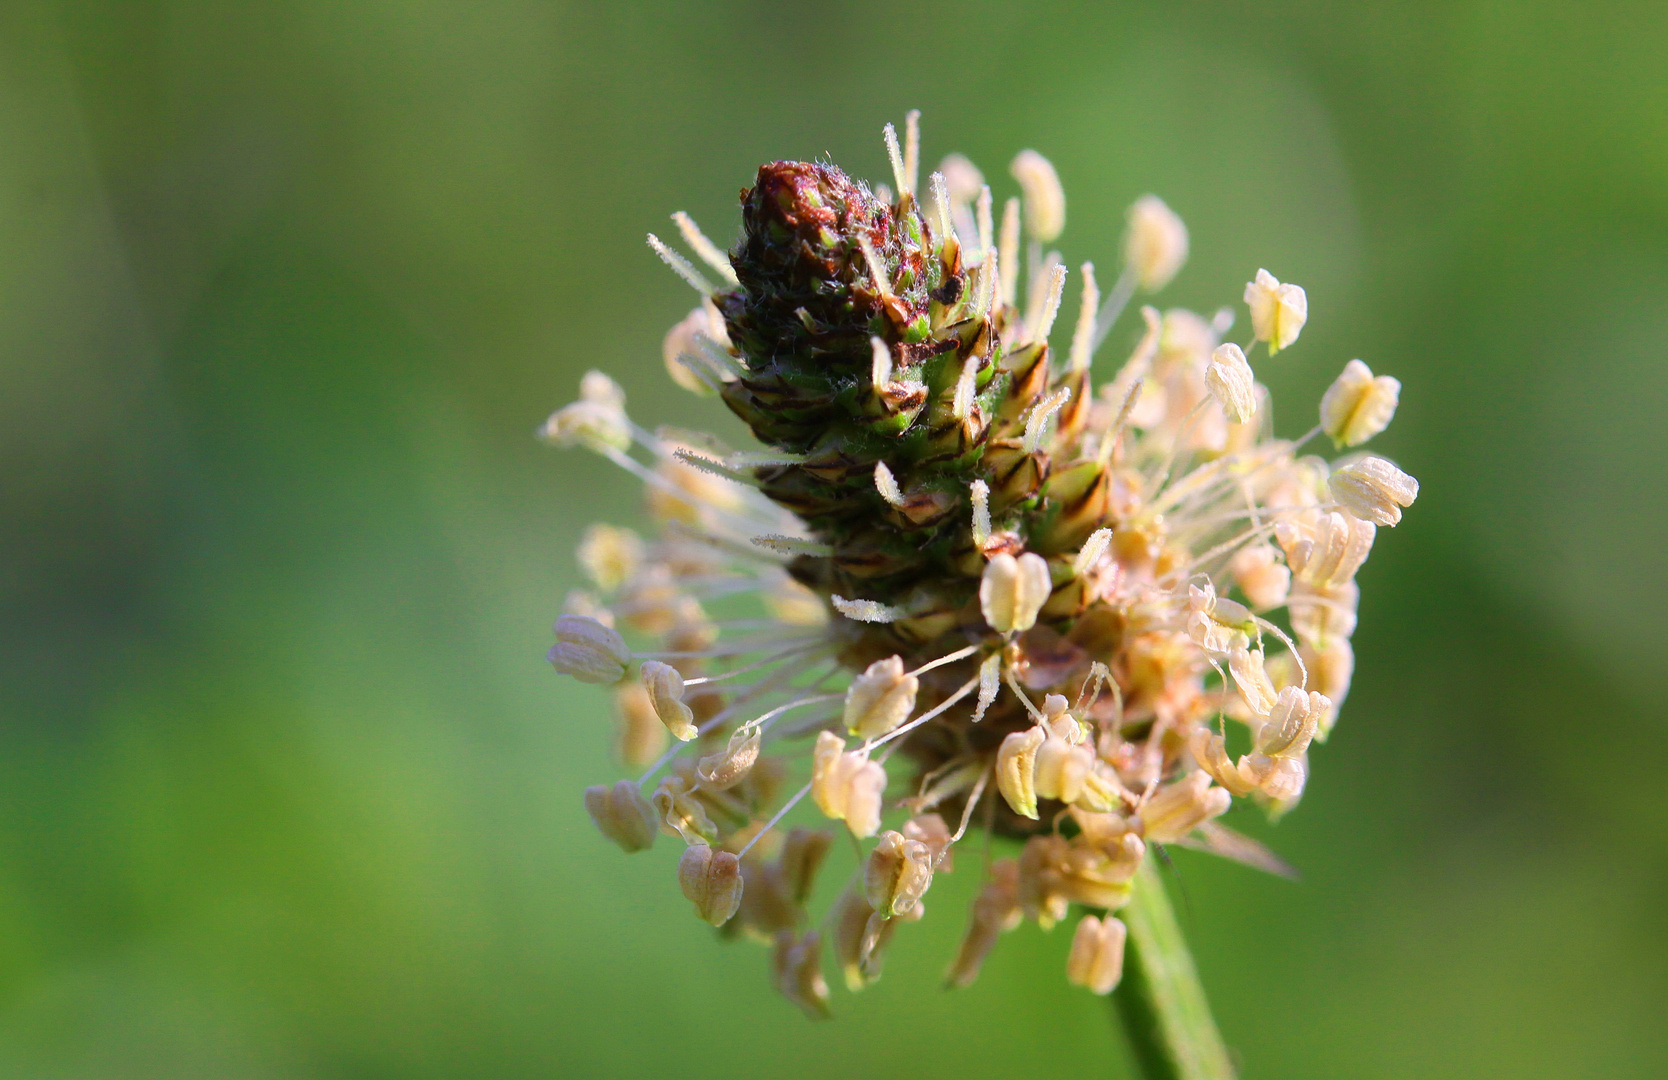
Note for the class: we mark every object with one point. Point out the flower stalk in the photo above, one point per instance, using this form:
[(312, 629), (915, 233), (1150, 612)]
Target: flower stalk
[(1160, 1003)]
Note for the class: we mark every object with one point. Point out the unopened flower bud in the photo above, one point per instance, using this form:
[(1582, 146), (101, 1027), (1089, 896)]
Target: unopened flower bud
[(1325, 549), (609, 556), (1374, 490), (797, 965), (1012, 591), (665, 686), (898, 872), (711, 880), (1045, 199), (1155, 247), (622, 814), (588, 650), (681, 814), (1292, 723), (1016, 770), (1357, 405), (847, 786), (730, 766), (1229, 377), (1258, 571), (1278, 311), (1097, 954), (995, 910), (1183, 806), (880, 699)]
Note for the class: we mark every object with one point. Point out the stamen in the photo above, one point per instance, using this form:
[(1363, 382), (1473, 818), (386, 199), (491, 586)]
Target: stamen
[(966, 814), (771, 824), (702, 680), (942, 660), (981, 512), (887, 485), (1036, 713), (871, 611), (966, 688), (681, 266), (1083, 338), (706, 249), (1041, 413)]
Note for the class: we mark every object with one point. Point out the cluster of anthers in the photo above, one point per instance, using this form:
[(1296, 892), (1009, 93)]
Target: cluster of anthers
[(991, 591)]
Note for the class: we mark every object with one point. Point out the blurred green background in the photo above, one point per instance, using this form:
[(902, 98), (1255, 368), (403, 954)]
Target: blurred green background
[(286, 789)]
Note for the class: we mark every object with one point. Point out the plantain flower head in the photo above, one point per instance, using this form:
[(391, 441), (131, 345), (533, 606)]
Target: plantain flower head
[(960, 580)]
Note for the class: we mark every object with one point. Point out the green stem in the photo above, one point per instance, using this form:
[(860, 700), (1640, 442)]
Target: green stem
[(1160, 1000)]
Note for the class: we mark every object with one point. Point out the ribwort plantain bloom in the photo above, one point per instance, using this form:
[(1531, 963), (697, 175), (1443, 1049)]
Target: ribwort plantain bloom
[(987, 590)]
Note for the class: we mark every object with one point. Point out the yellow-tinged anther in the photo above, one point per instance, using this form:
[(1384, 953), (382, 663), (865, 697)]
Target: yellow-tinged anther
[(1016, 770), (665, 686), (880, 699), (1374, 490), (622, 814), (1278, 311), (711, 880), (1231, 382), (1045, 199), (609, 555), (1155, 247), (899, 870), (1292, 723), (1183, 806), (847, 786), (1012, 591), (588, 650), (1251, 676), (1096, 962), (1358, 405), (1325, 549)]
